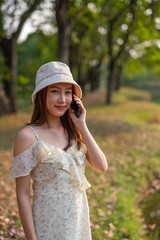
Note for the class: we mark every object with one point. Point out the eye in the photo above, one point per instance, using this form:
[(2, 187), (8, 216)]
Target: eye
[(69, 92), (55, 91)]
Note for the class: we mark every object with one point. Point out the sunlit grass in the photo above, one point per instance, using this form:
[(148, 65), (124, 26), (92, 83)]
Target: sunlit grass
[(127, 132)]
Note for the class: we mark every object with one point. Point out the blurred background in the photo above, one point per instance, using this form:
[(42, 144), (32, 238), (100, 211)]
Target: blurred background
[(113, 50)]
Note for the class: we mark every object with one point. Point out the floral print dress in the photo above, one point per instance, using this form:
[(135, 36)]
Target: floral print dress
[(60, 206)]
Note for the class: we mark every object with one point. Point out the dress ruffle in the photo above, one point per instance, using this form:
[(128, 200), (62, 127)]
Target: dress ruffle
[(74, 166), (72, 161)]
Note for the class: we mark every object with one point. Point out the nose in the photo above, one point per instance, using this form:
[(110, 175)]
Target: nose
[(62, 98)]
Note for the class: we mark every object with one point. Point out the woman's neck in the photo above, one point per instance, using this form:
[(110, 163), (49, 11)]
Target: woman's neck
[(54, 123)]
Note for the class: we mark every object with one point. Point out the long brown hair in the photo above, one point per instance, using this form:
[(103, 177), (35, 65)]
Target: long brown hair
[(39, 117)]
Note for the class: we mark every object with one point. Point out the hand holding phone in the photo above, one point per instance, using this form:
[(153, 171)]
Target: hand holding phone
[(76, 108)]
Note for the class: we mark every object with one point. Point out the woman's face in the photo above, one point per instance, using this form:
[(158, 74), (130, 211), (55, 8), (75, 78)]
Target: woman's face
[(59, 98)]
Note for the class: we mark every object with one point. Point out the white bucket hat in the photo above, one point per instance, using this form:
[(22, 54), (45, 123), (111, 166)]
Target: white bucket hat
[(54, 72)]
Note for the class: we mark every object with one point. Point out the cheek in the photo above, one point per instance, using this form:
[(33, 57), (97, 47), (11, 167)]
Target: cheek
[(49, 100), (50, 97), (69, 100)]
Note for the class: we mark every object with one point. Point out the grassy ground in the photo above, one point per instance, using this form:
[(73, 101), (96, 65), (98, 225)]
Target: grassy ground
[(122, 206)]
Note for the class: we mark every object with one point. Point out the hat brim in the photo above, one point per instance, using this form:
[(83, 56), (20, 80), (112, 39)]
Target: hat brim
[(58, 78)]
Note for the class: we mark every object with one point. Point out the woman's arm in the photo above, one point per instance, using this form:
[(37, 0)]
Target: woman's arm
[(23, 141), (95, 156), (24, 206)]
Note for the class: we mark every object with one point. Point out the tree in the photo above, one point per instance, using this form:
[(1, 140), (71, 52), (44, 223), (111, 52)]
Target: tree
[(32, 53), (66, 22), (119, 20), (128, 23), (88, 47), (11, 24), (78, 37)]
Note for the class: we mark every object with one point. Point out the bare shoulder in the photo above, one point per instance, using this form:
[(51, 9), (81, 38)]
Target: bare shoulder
[(25, 138)]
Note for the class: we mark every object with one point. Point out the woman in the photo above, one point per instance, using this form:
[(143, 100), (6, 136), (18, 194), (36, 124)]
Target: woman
[(52, 150)]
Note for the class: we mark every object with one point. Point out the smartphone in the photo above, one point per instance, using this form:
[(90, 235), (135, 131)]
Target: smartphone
[(76, 108)]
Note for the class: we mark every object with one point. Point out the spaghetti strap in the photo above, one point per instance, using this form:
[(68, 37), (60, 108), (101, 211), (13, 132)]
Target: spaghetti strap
[(35, 134)]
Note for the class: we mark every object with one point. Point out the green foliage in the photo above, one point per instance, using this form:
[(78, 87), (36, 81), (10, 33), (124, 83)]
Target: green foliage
[(35, 51), (23, 80), (89, 37), (87, 43)]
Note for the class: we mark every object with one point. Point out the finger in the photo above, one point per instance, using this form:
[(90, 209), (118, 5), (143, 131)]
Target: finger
[(78, 101)]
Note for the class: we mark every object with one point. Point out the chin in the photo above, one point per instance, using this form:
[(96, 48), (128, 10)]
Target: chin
[(60, 114)]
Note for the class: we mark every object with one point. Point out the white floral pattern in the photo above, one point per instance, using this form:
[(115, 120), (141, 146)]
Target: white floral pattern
[(60, 207)]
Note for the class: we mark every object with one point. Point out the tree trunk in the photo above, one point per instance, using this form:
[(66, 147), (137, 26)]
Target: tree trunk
[(94, 76), (109, 90), (117, 77), (109, 83), (4, 103), (81, 80), (9, 82), (114, 57), (9, 53), (63, 30)]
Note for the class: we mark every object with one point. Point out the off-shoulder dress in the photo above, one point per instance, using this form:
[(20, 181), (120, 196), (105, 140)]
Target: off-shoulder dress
[(60, 206)]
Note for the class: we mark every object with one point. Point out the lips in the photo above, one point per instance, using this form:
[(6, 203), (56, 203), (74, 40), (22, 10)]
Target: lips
[(60, 107)]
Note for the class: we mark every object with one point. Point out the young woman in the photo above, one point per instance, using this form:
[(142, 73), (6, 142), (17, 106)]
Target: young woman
[(52, 150)]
